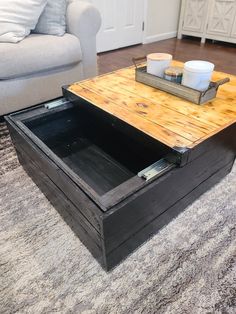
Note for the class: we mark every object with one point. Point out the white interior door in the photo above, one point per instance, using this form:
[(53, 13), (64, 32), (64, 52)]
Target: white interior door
[(122, 23)]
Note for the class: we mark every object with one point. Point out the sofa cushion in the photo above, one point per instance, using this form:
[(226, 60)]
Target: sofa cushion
[(18, 17), (38, 53), (53, 18)]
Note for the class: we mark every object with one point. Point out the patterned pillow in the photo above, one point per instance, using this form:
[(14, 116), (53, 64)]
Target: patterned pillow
[(53, 19), (18, 18)]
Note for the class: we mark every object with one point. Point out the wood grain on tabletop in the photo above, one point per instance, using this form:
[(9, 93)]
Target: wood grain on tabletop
[(167, 118)]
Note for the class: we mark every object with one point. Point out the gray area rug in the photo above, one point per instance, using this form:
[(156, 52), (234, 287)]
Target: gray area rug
[(188, 267)]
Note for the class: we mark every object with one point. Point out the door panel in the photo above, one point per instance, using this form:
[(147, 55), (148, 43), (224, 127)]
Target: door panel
[(107, 38), (108, 12), (233, 33), (221, 17), (195, 14), (131, 21), (121, 23)]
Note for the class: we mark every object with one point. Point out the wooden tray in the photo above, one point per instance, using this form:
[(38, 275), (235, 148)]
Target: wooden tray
[(193, 95)]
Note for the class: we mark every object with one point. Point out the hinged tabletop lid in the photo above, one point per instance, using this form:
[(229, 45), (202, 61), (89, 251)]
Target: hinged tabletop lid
[(167, 118)]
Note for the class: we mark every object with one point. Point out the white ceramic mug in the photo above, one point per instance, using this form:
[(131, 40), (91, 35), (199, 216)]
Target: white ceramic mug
[(157, 63)]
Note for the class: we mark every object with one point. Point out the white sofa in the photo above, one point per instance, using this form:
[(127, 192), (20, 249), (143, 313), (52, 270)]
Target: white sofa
[(33, 70)]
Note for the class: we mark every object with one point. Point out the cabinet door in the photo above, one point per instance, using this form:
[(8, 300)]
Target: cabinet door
[(195, 15), (221, 17)]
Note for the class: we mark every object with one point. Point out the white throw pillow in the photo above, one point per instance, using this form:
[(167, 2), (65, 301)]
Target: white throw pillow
[(18, 18), (53, 19)]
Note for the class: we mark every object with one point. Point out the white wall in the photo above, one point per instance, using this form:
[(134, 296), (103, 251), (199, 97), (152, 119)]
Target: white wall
[(162, 19)]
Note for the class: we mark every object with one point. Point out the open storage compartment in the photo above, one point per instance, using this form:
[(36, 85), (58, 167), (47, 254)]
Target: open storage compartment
[(107, 160)]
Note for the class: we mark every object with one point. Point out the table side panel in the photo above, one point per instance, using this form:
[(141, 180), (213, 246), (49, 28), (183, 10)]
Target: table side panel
[(142, 207), (86, 206), (150, 229), (67, 210), (226, 139)]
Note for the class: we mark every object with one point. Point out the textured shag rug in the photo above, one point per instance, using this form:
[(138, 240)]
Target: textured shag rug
[(188, 267)]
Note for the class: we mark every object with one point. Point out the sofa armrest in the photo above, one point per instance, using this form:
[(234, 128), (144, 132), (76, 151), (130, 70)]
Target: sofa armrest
[(84, 21)]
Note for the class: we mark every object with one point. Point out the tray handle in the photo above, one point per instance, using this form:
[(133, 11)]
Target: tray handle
[(136, 60), (221, 82), (216, 85)]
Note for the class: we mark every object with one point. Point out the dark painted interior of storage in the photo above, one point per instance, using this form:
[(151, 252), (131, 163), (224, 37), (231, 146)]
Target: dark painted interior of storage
[(94, 149)]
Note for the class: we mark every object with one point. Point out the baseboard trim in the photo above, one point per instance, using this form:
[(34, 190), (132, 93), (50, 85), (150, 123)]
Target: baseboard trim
[(158, 37)]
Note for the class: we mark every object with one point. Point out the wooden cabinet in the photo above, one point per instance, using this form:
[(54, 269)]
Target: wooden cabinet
[(208, 19)]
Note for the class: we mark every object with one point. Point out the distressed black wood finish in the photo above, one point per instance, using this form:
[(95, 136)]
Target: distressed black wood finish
[(159, 196), (74, 218), (87, 207), (117, 255), (114, 217)]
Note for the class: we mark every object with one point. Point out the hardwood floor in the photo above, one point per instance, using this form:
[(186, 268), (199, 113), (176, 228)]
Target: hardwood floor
[(221, 54)]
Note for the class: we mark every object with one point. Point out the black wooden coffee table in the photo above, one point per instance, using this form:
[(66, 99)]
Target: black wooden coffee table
[(118, 165)]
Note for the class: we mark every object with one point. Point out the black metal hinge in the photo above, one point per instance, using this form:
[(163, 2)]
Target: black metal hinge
[(143, 26)]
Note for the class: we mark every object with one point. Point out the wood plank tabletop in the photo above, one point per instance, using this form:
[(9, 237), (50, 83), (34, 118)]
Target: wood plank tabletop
[(169, 119)]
